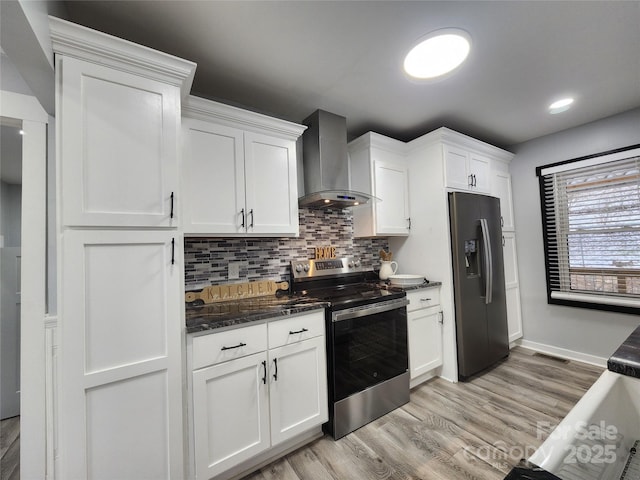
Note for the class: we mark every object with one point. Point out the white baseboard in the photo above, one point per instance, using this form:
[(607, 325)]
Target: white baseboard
[(563, 353)]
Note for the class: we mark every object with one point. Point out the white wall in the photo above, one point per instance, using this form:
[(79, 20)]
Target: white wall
[(10, 208), (589, 332)]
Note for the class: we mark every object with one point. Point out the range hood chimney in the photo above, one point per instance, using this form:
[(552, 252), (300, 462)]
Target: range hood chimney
[(326, 169)]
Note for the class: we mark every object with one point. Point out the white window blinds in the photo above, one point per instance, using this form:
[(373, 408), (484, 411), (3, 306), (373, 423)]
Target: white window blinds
[(591, 217)]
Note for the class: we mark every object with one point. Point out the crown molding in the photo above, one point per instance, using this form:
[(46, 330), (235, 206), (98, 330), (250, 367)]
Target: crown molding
[(376, 140), (446, 135), (87, 44), (210, 111)]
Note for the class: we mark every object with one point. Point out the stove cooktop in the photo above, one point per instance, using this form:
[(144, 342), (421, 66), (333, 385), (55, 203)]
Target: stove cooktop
[(342, 282)]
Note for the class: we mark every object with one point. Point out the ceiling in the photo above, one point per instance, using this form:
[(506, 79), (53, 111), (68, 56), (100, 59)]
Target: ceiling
[(288, 59)]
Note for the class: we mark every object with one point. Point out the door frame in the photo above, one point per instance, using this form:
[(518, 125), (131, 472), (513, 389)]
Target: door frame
[(33, 418)]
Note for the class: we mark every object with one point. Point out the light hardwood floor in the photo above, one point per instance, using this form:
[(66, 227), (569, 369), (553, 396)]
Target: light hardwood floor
[(470, 430), (10, 449)]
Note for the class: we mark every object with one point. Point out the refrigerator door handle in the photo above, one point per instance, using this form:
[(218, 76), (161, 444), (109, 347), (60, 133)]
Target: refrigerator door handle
[(488, 261)]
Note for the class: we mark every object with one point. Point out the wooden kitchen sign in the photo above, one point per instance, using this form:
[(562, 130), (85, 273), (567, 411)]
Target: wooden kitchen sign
[(325, 253), (236, 291)]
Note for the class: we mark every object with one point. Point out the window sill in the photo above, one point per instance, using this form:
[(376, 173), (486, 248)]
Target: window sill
[(597, 301)]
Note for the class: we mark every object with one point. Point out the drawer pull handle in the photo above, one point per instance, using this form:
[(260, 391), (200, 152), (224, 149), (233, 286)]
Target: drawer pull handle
[(171, 213), (425, 299), (235, 346), (298, 331), (275, 375), (264, 369)]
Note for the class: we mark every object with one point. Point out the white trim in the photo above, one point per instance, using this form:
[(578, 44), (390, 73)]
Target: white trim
[(23, 107), (220, 113), (451, 137), (597, 298), (86, 44), (564, 353), (33, 419), (590, 162)]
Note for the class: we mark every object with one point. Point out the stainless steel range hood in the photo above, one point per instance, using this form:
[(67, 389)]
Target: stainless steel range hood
[(326, 169)]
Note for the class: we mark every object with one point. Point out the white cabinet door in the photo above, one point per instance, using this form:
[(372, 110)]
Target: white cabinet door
[(270, 185), (510, 259), (213, 178), (237, 182), (425, 340), (231, 412), (480, 168), (514, 314), (456, 161), (298, 388), (501, 188), (120, 391), (466, 171), (118, 145), (391, 186)]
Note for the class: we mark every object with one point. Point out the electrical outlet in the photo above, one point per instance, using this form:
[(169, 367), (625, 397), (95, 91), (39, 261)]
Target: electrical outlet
[(234, 270)]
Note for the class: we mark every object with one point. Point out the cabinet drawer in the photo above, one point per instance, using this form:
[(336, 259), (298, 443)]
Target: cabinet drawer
[(295, 329), (426, 297), (221, 347)]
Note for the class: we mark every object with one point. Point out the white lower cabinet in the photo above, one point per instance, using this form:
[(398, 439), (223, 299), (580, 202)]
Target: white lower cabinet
[(231, 412), (245, 403), (424, 317)]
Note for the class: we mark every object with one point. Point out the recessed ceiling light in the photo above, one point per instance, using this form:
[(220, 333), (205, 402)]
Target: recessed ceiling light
[(561, 105), (438, 53)]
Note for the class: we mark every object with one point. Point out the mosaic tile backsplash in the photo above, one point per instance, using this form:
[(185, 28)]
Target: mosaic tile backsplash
[(207, 259)]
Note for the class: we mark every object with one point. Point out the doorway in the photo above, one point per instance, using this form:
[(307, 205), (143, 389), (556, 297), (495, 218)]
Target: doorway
[(10, 264)]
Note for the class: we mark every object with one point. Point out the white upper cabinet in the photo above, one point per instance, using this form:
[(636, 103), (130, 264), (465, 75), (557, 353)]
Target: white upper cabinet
[(238, 172), (118, 111), (377, 167), (465, 170), (501, 188)]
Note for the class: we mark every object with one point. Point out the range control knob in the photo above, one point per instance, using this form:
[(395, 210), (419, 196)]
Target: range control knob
[(350, 265), (298, 268), (357, 263), (306, 268)]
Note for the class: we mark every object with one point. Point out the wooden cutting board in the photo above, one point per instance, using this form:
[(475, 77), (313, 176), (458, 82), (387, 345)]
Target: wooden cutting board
[(236, 291)]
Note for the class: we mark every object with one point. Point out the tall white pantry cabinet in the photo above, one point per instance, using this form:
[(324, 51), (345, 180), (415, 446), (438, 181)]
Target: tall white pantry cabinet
[(119, 376)]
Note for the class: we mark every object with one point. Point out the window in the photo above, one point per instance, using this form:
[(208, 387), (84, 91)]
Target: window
[(591, 226)]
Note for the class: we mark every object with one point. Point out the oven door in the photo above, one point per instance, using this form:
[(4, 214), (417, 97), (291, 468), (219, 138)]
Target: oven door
[(368, 346)]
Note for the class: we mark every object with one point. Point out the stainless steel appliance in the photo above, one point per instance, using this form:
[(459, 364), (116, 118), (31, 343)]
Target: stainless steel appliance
[(367, 354), (325, 163), (478, 282)]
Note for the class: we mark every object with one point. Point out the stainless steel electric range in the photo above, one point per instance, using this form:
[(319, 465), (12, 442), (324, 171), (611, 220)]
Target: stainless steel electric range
[(367, 353)]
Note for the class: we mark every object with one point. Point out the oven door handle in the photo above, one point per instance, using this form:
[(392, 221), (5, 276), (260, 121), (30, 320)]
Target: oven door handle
[(368, 310)]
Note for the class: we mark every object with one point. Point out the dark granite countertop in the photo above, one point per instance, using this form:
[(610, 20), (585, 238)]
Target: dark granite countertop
[(626, 359), (425, 284), (528, 471), (209, 317)]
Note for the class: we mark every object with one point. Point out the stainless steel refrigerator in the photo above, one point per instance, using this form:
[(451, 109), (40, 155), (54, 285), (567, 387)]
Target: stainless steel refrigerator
[(478, 282)]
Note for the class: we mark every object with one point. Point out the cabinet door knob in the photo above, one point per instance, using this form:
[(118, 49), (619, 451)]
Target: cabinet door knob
[(242, 213), (275, 375), (425, 299), (173, 251), (251, 213), (172, 198), (441, 318), (264, 371)]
